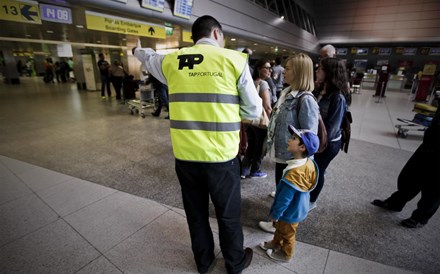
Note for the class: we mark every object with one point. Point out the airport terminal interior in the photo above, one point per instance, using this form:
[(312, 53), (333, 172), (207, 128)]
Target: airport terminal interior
[(88, 185)]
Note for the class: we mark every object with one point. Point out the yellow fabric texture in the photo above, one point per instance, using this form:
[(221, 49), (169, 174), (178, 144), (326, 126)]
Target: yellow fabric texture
[(303, 177), (204, 70)]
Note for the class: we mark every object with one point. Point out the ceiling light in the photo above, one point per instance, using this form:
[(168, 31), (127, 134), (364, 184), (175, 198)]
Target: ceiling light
[(233, 39), (98, 42), (28, 35), (49, 31), (255, 44), (282, 17), (80, 26), (123, 39)]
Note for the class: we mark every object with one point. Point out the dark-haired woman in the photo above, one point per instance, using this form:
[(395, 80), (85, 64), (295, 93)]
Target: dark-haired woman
[(257, 136), (332, 74)]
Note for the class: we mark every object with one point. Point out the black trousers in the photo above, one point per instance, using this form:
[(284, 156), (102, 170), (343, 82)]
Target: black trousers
[(254, 152), (420, 174), (221, 182)]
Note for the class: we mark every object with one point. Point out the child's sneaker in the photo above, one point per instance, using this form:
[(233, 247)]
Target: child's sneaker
[(267, 226), (268, 245), (259, 174), (277, 255)]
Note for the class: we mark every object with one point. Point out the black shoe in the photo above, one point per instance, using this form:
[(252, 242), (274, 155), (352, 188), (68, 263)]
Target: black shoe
[(385, 205), (155, 114), (411, 223), (248, 254)]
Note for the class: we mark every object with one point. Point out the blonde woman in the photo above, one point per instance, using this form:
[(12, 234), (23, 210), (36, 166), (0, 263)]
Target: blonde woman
[(298, 74)]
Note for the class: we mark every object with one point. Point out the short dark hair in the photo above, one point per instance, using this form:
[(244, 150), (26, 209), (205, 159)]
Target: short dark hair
[(278, 61), (203, 26)]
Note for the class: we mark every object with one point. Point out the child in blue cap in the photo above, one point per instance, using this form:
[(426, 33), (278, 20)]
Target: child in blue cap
[(291, 203)]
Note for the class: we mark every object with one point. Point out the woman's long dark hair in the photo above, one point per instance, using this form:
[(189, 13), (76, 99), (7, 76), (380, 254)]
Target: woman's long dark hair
[(335, 75), (259, 65)]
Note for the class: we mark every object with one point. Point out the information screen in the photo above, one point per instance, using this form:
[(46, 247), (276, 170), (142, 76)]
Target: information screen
[(183, 8), (153, 4)]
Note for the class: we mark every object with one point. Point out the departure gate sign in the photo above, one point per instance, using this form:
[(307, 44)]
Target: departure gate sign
[(20, 11), (56, 14), (109, 23)]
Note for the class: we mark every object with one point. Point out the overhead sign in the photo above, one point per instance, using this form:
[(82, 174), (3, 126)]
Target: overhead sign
[(153, 4), (109, 23), (56, 14), (183, 8), (186, 36), (20, 11)]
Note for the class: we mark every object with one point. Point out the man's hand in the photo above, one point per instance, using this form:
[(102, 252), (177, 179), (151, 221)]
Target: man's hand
[(138, 45)]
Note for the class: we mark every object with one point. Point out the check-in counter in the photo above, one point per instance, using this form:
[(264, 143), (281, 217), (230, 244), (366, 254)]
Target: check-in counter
[(369, 81), (396, 82)]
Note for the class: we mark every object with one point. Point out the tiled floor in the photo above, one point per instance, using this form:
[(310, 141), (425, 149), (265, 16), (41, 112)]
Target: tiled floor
[(55, 223)]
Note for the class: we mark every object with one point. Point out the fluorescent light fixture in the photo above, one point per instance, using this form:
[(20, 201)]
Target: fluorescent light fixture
[(49, 31), (233, 39), (80, 26)]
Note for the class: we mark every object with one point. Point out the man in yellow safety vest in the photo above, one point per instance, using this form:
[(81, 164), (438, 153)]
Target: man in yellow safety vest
[(210, 92)]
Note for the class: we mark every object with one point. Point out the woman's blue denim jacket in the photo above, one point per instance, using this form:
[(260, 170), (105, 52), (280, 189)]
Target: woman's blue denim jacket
[(332, 108), (287, 115)]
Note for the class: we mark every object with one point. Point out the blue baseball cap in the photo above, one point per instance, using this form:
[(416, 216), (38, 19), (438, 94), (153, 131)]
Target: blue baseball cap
[(310, 139)]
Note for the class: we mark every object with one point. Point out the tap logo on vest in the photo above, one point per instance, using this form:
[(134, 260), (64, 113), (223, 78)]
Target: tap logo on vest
[(189, 60)]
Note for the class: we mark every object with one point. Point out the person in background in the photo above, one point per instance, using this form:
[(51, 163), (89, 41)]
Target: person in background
[(332, 106), (161, 91), (104, 68), (70, 71), (257, 136), (205, 113), (298, 73), (117, 74), (277, 76), (291, 202), (49, 70), (249, 52), (327, 51), (420, 174)]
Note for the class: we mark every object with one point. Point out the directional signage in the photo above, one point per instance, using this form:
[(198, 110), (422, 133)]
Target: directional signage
[(20, 11), (56, 14), (109, 23)]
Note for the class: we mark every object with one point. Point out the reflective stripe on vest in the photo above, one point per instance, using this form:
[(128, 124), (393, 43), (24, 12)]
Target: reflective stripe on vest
[(204, 102)]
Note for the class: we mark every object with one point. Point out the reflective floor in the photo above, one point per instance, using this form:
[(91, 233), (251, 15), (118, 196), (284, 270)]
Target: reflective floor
[(87, 188)]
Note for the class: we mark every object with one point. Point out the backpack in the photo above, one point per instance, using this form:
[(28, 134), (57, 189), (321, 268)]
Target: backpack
[(322, 131), (347, 119)]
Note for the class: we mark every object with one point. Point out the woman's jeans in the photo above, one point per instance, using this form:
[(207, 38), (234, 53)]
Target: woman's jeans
[(323, 159)]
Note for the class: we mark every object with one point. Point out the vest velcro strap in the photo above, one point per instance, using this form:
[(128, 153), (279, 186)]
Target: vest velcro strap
[(208, 126), (204, 97)]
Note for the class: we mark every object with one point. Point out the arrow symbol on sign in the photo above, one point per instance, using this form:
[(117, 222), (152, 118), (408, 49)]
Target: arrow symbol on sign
[(151, 31), (27, 13)]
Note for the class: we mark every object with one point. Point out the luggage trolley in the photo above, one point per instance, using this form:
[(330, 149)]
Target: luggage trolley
[(421, 121), (145, 101)]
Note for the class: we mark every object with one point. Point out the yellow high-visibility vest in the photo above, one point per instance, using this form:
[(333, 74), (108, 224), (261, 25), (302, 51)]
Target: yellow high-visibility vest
[(203, 102)]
